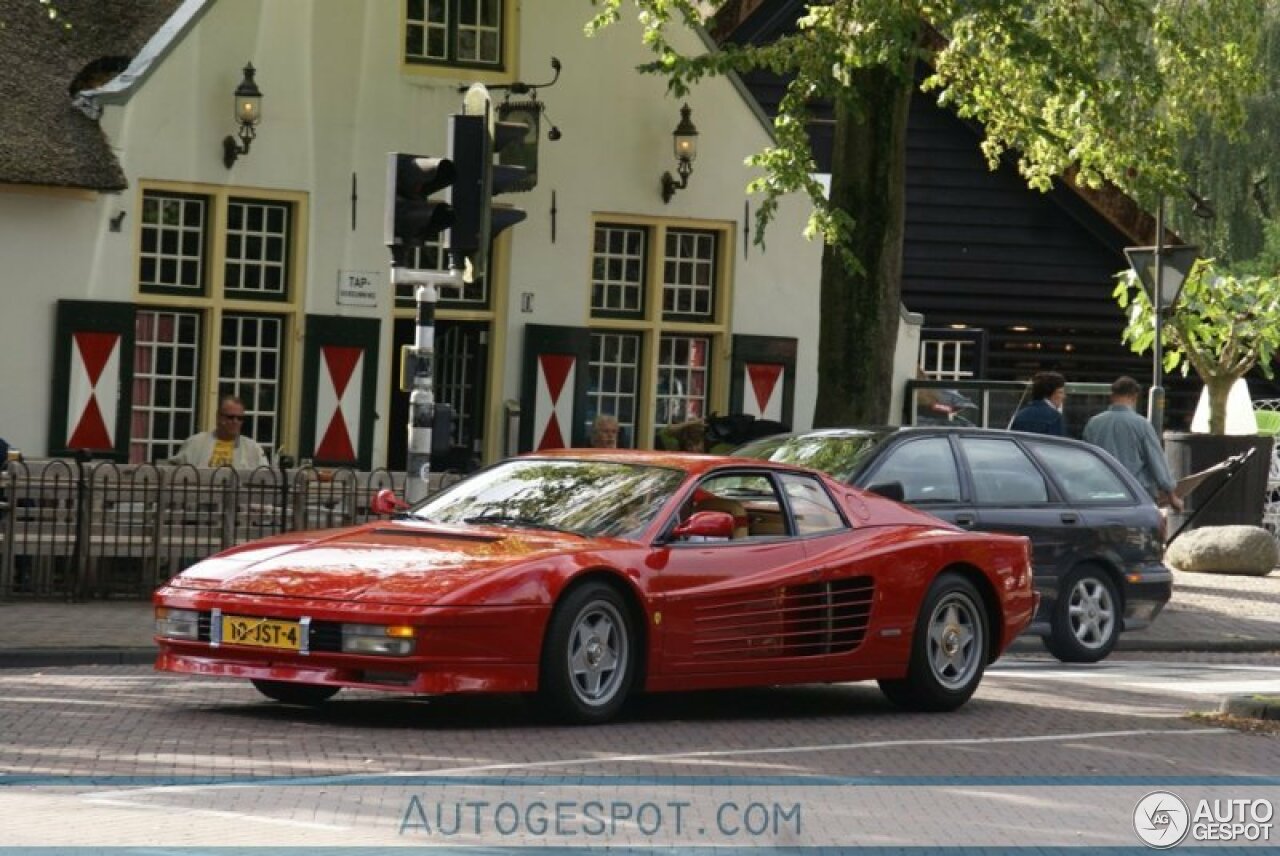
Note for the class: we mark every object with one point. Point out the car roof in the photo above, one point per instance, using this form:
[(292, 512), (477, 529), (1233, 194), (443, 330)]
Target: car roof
[(886, 430), (691, 462)]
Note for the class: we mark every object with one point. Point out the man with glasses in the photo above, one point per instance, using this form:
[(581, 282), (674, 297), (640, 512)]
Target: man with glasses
[(224, 446)]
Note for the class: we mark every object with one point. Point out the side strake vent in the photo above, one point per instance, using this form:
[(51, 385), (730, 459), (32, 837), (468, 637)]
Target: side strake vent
[(809, 620)]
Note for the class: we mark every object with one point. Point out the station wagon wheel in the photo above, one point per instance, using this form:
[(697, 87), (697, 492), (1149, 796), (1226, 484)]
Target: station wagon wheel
[(289, 692), (948, 648), (588, 656), (1086, 618)]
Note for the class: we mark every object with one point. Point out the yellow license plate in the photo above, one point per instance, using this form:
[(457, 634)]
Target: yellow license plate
[(261, 632)]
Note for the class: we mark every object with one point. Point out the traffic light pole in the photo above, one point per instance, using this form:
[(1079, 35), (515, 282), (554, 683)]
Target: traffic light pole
[(422, 405)]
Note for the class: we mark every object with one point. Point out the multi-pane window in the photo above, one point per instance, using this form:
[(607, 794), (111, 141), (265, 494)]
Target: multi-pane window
[(617, 271), (250, 366), (688, 274), (165, 378), (456, 355), (952, 353), (172, 253), (256, 242), (614, 386), (682, 379), (652, 349), (232, 336), (432, 256), (454, 32)]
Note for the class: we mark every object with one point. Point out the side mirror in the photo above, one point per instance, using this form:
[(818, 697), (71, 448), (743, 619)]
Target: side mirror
[(706, 524), (889, 490), (386, 502)]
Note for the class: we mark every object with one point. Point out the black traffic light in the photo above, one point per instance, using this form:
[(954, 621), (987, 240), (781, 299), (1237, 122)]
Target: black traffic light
[(412, 218), (477, 219)]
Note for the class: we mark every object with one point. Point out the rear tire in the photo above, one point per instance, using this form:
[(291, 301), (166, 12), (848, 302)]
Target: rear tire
[(1085, 624), (287, 692), (948, 649), (588, 656)]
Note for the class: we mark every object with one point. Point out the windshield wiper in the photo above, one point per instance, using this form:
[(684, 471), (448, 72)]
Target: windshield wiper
[(523, 522)]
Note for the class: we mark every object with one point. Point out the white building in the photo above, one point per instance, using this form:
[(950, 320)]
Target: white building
[(142, 277)]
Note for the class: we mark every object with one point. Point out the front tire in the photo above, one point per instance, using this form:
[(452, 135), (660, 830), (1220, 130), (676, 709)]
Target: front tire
[(948, 649), (588, 657), (1086, 617), (288, 692)]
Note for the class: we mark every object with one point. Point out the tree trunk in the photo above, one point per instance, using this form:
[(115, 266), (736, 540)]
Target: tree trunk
[(860, 310), (1219, 391)]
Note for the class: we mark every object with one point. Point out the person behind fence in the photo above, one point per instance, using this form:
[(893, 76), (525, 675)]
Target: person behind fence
[(604, 431), (1132, 441), (224, 446), (1043, 414)]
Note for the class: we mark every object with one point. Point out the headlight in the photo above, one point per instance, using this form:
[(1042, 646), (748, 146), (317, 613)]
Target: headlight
[(177, 623), (394, 640)]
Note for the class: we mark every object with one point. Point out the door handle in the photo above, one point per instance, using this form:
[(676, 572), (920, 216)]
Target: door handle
[(964, 519), (1069, 517)]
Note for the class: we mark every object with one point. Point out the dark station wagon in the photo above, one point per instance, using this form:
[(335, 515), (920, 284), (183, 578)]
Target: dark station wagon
[(1097, 538)]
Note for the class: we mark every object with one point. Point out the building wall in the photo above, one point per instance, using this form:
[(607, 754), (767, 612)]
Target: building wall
[(336, 100), (51, 244)]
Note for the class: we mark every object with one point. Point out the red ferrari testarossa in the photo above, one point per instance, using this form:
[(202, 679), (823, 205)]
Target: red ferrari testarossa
[(584, 576)]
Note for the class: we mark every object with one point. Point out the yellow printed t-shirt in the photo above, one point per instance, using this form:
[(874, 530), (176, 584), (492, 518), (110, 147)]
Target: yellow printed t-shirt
[(222, 451)]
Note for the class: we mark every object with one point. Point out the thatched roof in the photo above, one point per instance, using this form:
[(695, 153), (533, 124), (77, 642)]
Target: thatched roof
[(44, 139)]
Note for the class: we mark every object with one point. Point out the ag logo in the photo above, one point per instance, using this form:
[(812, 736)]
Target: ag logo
[(1161, 819)]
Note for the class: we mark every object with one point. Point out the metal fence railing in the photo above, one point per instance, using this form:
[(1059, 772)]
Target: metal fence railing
[(71, 529)]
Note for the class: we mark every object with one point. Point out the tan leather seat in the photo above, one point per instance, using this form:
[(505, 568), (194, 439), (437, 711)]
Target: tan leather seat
[(741, 526)]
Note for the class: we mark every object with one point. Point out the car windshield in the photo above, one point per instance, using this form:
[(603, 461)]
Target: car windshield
[(589, 498), (837, 455)]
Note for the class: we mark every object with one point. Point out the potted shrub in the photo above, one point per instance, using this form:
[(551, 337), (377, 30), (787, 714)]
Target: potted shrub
[(1223, 324)]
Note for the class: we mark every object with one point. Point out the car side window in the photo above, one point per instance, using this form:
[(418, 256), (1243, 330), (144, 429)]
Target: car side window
[(811, 506), (750, 498), (1002, 473), (1083, 475), (925, 468)]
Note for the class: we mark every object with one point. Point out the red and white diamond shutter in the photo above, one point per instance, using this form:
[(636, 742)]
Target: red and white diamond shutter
[(554, 387), (763, 380), (339, 378), (93, 368)]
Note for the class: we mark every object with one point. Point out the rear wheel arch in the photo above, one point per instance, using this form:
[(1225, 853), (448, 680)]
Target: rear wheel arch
[(1102, 565), (1065, 639), (995, 614)]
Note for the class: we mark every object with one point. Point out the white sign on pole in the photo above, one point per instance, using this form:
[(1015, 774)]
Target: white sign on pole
[(358, 288)]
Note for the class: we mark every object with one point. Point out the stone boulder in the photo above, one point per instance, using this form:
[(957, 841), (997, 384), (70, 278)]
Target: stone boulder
[(1245, 550)]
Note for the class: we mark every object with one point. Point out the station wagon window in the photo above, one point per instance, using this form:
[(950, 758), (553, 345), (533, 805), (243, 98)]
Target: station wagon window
[(1083, 476), (811, 506), (1002, 473), (925, 468)]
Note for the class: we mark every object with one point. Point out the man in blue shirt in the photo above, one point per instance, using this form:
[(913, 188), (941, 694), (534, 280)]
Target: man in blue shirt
[(1043, 415), (1132, 441)]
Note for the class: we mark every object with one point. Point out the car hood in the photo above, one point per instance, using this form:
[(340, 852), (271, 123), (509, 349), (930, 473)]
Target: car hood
[(387, 562)]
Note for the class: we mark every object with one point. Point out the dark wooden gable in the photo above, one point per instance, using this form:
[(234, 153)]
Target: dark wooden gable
[(983, 250)]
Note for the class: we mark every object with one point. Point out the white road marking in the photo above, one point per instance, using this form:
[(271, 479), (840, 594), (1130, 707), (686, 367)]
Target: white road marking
[(209, 812), (1181, 678)]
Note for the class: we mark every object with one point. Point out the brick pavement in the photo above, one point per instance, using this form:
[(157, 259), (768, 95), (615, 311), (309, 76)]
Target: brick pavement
[(1208, 612)]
